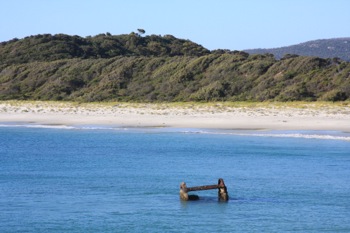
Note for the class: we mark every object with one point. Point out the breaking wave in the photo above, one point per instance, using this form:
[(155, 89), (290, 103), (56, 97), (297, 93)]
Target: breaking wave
[(299, 135)]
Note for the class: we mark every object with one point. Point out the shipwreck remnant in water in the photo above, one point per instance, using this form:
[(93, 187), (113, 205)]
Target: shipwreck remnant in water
[(222, 191)]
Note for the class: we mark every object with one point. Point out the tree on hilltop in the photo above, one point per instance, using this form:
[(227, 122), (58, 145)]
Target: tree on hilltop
[(141, 31)]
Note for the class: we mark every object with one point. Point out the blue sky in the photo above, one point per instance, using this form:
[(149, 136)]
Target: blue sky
[(225, 24)]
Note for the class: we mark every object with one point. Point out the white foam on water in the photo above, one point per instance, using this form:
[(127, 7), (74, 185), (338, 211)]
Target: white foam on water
[(298, 135), (322, 135), (69, 127), (38, 126)]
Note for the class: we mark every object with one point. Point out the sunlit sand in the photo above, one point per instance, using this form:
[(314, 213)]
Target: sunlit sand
[(275, 116)]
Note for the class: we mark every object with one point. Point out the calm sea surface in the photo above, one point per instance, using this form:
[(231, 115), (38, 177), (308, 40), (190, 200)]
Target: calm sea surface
[(91, 179)]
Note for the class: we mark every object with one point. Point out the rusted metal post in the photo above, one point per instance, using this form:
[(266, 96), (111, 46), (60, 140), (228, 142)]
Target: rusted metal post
[(184, 193), (222, 192)]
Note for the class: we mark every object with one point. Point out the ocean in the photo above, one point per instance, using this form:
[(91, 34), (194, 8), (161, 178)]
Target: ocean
[(57, 178)]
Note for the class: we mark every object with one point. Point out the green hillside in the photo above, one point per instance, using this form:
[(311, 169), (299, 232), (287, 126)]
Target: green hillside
[(55, 47), (326, 48), (160, 68)]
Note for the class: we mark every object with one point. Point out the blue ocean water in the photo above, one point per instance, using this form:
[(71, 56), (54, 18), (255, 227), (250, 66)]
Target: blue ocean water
[(91, 179)]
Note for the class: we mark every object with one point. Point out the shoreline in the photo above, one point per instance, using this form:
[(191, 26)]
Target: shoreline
[(267, 116)]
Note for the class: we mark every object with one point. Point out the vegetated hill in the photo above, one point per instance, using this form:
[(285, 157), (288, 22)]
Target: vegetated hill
[(156, 68), (327, 48), (55, 47)]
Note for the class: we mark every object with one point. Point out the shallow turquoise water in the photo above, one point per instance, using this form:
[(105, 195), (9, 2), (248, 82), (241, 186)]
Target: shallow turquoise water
[(127, 180)]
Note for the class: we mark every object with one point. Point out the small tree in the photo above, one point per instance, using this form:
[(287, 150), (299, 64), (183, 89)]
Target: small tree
[(141, 31)]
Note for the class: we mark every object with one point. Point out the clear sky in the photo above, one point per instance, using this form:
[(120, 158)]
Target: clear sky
[(225, 24)]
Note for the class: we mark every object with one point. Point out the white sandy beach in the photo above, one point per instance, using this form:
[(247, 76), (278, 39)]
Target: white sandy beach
[(221, 116)]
